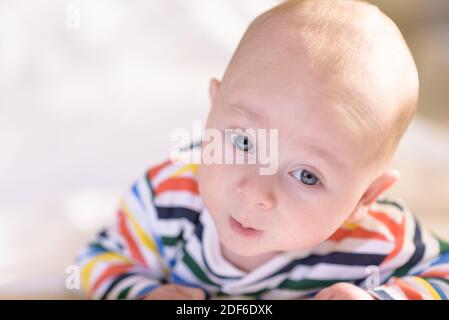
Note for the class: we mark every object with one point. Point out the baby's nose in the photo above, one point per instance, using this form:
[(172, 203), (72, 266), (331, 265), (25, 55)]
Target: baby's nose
[(256, 195)]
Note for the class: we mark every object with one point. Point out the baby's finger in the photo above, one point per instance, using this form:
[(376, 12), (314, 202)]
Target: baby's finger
[(194, 293), (324, 294)]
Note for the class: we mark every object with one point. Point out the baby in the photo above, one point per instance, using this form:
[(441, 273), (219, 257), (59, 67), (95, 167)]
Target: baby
[(336, 79)]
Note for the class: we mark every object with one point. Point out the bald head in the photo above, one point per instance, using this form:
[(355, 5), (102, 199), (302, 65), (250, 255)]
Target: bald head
[(349, 42)]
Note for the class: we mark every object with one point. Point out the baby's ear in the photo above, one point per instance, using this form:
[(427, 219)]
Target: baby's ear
[(213, 88), (383, 182)]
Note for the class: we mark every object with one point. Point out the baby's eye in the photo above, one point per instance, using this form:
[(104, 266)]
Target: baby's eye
[(242, 142), (305, 177)]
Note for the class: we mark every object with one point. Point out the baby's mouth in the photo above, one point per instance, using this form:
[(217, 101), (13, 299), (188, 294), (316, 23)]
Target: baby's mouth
[(238, 228)]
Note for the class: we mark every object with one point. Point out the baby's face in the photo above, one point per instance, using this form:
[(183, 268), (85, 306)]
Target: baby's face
[(322, 160)]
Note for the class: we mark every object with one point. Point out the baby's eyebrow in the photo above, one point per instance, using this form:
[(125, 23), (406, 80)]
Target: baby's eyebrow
[(325, 155), (248, 113)]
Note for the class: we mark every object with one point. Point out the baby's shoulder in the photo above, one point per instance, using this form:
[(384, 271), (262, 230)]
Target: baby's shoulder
[(179, 172), (392, 208), (174, 189), (169, 176)]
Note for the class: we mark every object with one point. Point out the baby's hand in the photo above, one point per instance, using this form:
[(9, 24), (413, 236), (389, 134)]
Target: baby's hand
[(343, 291), (175, 292)]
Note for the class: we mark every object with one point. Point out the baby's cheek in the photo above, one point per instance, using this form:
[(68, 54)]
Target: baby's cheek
[(205, 184), (304, 232), (213, 185)]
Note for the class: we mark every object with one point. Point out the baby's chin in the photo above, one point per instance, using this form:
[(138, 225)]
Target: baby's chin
[(244, 251), (244, 248)]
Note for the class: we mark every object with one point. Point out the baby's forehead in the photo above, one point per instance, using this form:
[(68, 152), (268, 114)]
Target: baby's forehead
[(310, 114), (282, 87)]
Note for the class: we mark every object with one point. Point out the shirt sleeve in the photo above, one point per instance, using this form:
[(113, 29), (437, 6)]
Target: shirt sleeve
[(418, 266), (126, 260)]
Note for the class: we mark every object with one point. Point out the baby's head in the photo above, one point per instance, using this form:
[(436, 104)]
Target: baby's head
[(337, 80)]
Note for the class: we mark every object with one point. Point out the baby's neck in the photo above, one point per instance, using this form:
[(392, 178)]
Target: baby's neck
[(246, 263)]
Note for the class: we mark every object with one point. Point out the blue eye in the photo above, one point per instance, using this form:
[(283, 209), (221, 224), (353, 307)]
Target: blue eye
[(306, 177), (242, 142)]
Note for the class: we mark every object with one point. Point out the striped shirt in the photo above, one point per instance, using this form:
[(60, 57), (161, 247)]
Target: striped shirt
[(164, 234)]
